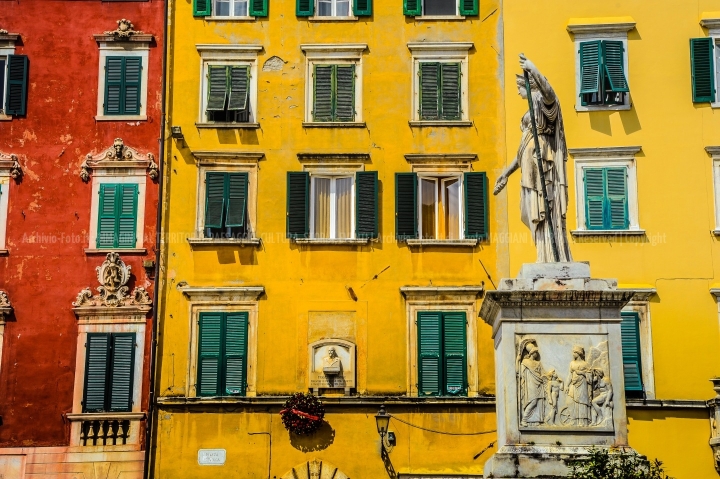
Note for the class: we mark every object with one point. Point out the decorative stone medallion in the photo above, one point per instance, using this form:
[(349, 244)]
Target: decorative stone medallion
[(113, 276)]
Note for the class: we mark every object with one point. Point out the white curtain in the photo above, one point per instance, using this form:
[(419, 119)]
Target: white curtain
[(451, 200), (343, 195), (321, 226), (428, 190)]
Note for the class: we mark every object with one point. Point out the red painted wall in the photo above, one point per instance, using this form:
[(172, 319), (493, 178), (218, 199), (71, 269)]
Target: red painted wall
[(49, 210)]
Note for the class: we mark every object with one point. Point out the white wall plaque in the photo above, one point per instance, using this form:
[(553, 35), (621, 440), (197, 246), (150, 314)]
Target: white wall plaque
[(211, 457)]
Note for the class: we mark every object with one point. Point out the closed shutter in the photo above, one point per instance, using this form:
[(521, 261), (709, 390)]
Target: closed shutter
[(429, 91), (344, 93), (259, 8), (450, 88), (366, 204), (132, 85), (96, 371), (429, 360), (476, 205), (455, 353), (323, 98), (17, 79), (594, 198), (123, 361), (106, 216), (362, 8), (614, 65), (406, 214), (209, 347), (298, 189), (239, 88), (304, 8), (235, 357), (127, 216), (703, 69), (236, 199), (412, 7), (590, 67), (202, 8), (469, 7), (217, 88), (616, 216), (214, 199), (630, 333), (114, 67)]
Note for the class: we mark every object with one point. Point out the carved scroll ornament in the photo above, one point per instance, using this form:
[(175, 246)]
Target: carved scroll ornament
[(118, 155), (13, 165), (113, 276), (124, 29)]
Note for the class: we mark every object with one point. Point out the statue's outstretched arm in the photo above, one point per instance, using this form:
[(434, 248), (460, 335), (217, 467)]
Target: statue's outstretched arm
[(502, 179), (546, 90)]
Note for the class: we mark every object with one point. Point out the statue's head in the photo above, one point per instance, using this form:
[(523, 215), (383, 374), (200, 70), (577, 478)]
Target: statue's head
[(332, 353), (578, 352), (522, 89)]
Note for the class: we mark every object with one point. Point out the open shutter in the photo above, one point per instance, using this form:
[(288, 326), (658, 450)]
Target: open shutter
[(469, 7), (202, 8), (366, 204), (214, 199), (132, 85), (406, 214), (362, 8), (323, 97), (630, 333), (429, 360), (96, 371), (209, 354), (703, 69), (217, 88), (298, 204), (106, 216), (590, 67), (259, 8), (344, 93), (114, 67), (304, 8), (455, 353), (239, 87), (450, 88), (594, 198), (429, 91), (123, 363), (614, 65), (236, 199), (235, 360), (127, 216), (17, 79), (412, 7), (617, 204), (476, 205)]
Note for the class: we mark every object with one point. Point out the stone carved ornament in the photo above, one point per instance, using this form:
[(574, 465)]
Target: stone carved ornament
[(584, 399), (124, 29), (117, 152), (15, 168), (113, 276), (4, 300), (3, 31)]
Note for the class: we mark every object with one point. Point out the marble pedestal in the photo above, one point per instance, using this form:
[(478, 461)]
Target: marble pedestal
[(558, 368)]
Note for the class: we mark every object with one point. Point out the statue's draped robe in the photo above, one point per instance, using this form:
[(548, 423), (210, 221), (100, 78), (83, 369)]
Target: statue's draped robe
[(551, 135), (532, 393), (579, 394)]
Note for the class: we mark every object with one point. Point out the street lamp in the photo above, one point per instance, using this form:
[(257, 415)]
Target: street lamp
[(382, 420)]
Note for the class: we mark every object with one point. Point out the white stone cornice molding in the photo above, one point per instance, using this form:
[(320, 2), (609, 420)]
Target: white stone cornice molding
[(209, 47), (440, 159), (625, 152), (352, 51), (442, 293), (600, 26), (10, 166), (119, 160), (221, 294), (713, 151), (6, 308), (641, 294), (124, 33), (712, 23), (7, 40), (227, 157), (439, 47)]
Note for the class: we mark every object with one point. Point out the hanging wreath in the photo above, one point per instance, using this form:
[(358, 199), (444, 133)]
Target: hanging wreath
[(302, 414)]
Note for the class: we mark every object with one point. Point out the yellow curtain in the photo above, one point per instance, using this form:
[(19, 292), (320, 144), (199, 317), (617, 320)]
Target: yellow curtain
[(343, 208), (321, 226)]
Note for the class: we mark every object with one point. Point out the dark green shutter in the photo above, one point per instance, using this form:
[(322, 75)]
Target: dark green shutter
[(132, 85), (258, 8), (366, 204), (209, 347), (450, 91), (305, 8), (298, 204), (106, 216), (96, 371), (455, 353), (476, 205), (429, 91), (469, 7), (590, 67), (406, 214), (235, 357), (202, 8), (114, 67), (412, 7), (214, 199), (217, 88), (17, 79), (594, 198), (630, 332), (614, 65), (429, 360), (126, 202), (703, 69), (344, 93), (323, 97), (123, 362), (362, 8), (616, 205), (239, 87), (236, 199)]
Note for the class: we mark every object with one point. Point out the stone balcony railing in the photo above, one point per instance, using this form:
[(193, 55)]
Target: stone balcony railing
[(105, 429)]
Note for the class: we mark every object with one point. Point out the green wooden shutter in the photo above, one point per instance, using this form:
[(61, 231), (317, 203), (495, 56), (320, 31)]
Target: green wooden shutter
[(106, 216), (469, 7), (344, 93), (594, 198), (455, 353), (114, 68), (132, 85), (17, 79), (476, 205), (362, 8), (236, 199), (259, 8), (239, 87), (614, 65), (214, 199), (429, 360), (450, 91), (630, 333), (590, 67), (202, 8), (323, 97), (412, 7), (208, 369), (96, 371), (703, 69), (127, 216), (406, 214), (235, 357), (217, 87), (366, 204), (616, 206), (429, 91), (305, 8), (298, 204), (123, 365)]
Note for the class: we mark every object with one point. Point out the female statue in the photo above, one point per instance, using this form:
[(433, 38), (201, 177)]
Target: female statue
[(579, 389), (532, 385)]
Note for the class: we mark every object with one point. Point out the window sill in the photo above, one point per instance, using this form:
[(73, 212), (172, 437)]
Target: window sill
[(327, 241), (423, 18), (333, 19), (230, 19), (4, 252), (225, 126), (4, 117), (603, 108), (103, 416), (196, 242), (715, 232), (423, 123), (333, 124), (121, 117), (115, 250), (607, 232), (443, 242)]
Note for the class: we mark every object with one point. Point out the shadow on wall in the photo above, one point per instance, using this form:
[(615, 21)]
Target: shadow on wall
[(319, 441)]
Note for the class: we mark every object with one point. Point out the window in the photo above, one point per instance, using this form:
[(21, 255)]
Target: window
[(637, 350), (13, 83), (333, 8), (440, 208), (331, 207), (109, 365), (442, 353), (122, 85), (117, 216), (433, 8), (222, 354), (230, 8), (606, 195), (631, 353), (602, 73), (7, 168), (226, 205), (334, 93), (228, 93), (705, 64)]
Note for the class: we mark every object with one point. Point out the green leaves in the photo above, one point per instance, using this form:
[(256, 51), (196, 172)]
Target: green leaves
[(609, 464)]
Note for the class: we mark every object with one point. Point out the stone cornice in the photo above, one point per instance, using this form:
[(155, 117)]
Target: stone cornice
[(119, 159), (600, 25), (641, 294), (712, 23), (715, 292), (225, 294), (355, 48), (103, 416), (137, 38), (333, 157), (439, 46), (235, 155), (713, 151), (10, 166), (442, 293), (210, 47), (606, 152), (9, 37), (440, 158)]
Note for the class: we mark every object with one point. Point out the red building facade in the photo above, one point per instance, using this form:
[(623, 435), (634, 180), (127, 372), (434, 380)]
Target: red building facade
[(80, 126)]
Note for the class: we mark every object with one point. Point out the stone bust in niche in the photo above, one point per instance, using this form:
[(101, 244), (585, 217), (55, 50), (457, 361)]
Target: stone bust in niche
[(332, 365)]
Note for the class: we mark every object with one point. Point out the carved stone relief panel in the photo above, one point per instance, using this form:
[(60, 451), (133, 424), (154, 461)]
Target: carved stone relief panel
[(332, 365)]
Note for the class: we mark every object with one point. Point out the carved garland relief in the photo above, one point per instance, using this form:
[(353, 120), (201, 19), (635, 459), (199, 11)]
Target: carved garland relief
[(117, 152), (113, 276)]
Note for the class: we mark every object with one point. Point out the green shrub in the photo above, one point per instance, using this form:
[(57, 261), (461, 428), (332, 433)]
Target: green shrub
[(603, 464)]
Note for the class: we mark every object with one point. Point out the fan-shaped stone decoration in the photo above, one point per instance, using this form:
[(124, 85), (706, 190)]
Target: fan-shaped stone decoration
[(315, 469)]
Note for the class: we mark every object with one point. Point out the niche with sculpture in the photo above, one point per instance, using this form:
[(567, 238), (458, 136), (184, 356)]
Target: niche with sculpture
[(332, 366)]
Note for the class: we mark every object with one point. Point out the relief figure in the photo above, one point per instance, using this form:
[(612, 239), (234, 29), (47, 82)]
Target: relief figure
[(579, 389), (532, 384), (602, 399), (553, 386)]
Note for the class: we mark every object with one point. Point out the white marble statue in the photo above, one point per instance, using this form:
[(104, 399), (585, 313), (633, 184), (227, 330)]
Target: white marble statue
[(532, 385), (579, 389)]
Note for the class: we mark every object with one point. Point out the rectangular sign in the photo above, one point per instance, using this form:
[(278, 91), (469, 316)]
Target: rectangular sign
[(211, 457)]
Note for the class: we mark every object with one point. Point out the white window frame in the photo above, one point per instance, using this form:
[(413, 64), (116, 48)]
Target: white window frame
[(450, 52), (713, 26), (333, 204), (609, 29), (215, 16), (334, 14), (714, 152), (230, 55), (606, 158), (5, 179), (441, 177), (100, 177), (4, 53), (456, 15), (333, 54), (640, 304), (123, 49)]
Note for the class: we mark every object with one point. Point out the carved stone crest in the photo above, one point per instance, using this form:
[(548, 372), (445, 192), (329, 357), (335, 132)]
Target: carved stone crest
[(124, 29), (118, 156), (11, 163), (5, 306), (3, 31), (113, 276)]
